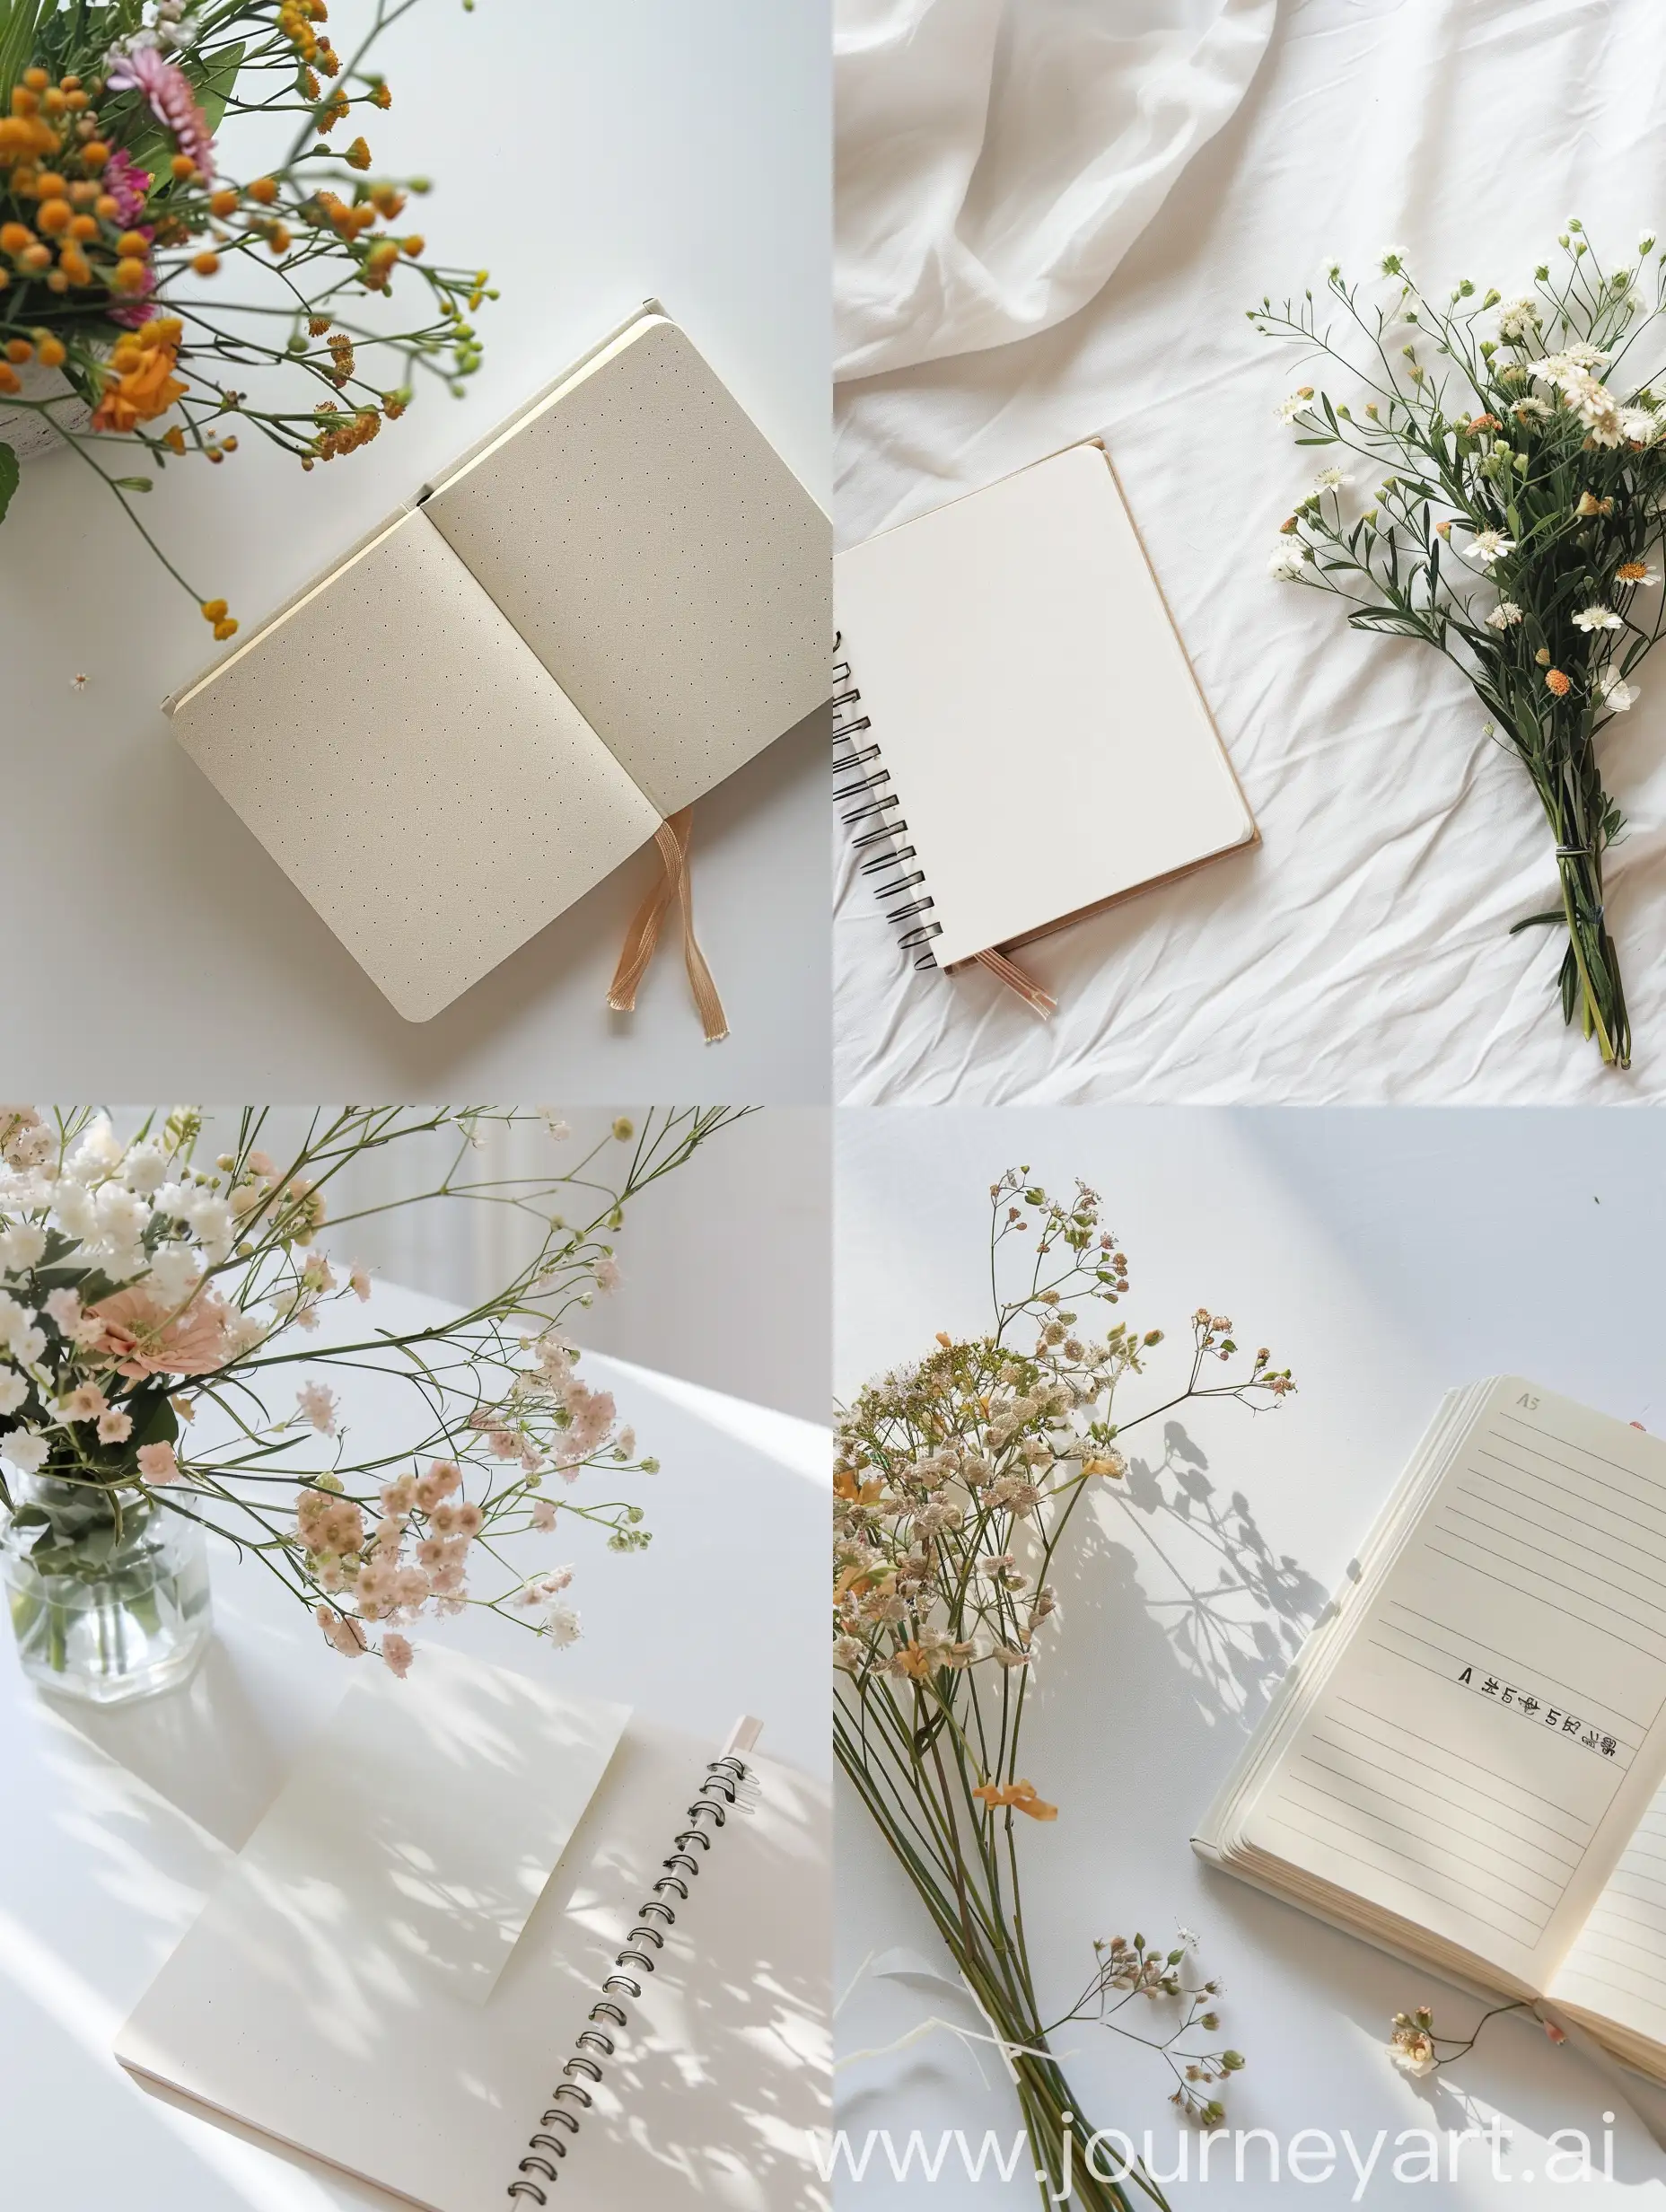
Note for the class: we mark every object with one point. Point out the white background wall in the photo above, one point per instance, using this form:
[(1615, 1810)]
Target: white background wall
[(726, 1262)]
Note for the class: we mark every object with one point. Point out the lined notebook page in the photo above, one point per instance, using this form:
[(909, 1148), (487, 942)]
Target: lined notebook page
[(413, 769), (1043, 731), (1477, 1759), (658, 556), (1617, 1964)]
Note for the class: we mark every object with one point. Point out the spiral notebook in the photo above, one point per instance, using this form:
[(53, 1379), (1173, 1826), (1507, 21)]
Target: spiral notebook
[(1466, 1762), (495, 1943), (601, 612), (1021, 738)]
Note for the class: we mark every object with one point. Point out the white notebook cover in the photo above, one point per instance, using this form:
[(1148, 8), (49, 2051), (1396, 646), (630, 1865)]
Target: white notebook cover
[(1045, 735), (392, 1977)]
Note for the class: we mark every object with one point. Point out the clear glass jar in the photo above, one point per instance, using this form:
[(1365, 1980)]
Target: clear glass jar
[(108, 1615)]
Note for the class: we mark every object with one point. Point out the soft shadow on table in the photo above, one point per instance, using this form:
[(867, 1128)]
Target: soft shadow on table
[(160, 1742)]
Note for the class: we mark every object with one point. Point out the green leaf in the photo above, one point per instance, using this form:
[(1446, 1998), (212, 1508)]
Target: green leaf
[(10, 470), (1536, 921), (214, 84)]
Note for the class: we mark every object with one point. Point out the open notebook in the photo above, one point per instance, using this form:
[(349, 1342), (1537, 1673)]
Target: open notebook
[(601, 612), (1467, 1763), (1027, 740), (495, 1943)]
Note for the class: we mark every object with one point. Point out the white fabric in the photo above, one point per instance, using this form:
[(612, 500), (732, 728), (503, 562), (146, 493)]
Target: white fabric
[(1361, 952), (997, 158)]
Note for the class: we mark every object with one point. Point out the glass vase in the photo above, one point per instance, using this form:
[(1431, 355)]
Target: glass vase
[(104, 1612)]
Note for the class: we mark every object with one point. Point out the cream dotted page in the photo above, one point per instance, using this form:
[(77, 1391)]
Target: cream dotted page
[(660, 558), (603, 611), (413, 770)]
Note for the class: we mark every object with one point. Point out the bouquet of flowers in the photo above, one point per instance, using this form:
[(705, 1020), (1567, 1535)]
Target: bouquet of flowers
[(146, 1297), (1511, 518), (954, 1487), (139, 276)]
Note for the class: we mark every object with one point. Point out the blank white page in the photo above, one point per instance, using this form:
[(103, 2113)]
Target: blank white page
[(1045, 735), (312, 2001), (1617, 1967), (413, 769), (1479, 1757)]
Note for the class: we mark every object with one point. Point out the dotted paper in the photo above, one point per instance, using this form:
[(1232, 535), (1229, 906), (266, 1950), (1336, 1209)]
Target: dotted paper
[(413, 770), (660, 558)]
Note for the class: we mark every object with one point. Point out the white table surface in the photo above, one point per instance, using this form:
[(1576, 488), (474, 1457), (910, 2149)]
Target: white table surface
[(619, 152), (1385, 1257), (113, 1826)]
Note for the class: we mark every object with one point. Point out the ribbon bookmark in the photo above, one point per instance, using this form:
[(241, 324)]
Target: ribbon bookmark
[(1010, 973), (672, 838)]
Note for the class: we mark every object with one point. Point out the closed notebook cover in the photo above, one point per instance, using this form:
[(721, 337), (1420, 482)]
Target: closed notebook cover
[(1033, 706), (395, 1972)]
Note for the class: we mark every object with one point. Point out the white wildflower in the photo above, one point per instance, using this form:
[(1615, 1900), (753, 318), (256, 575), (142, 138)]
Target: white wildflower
[(1597, 617), (26, 1450), (1331, 480), (1487, 545), (1504, 616), (1288, 561), (1618, 695), (1518, 318), (14, 1389), (562, 1626), (21, 1246)]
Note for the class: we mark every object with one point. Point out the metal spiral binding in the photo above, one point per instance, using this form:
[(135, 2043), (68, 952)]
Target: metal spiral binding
[(861, 776), (571, 2098)]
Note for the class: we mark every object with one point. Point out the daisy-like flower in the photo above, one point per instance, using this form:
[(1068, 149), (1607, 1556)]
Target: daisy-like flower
[(1288, 410), (1486, 546), (1597, 617), (1518, 319), (1636, 572), (1331, 480), (1618, 695), (168, 93), (1504, 616)]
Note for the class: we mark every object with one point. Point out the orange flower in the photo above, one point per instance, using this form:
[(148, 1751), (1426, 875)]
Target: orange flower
[(143, 383), (1557, 683), (1020, 1795)]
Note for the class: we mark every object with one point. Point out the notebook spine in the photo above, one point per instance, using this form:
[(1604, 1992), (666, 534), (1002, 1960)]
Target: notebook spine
[(879, 834), (596, 2041)]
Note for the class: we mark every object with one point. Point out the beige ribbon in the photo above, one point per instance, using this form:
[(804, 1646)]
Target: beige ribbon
[(1010, 973), (672, 838)]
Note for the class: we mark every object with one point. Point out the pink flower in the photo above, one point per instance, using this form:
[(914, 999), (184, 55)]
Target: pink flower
[(147, 1338), (168, 92), (157, 1462), (543, 1512), (398, 1655), (114, 1427), (345, 1635), (317, 1403), (127, 185), (85, 1403), (360, 1280)]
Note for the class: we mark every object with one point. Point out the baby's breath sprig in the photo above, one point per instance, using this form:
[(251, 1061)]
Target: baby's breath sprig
[(140, 282), (1510, 513), (954, 1484), (162, 1351)]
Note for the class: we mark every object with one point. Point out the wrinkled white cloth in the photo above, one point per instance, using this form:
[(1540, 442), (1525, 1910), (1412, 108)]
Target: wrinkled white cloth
[(997, 158), (1361, 952)]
